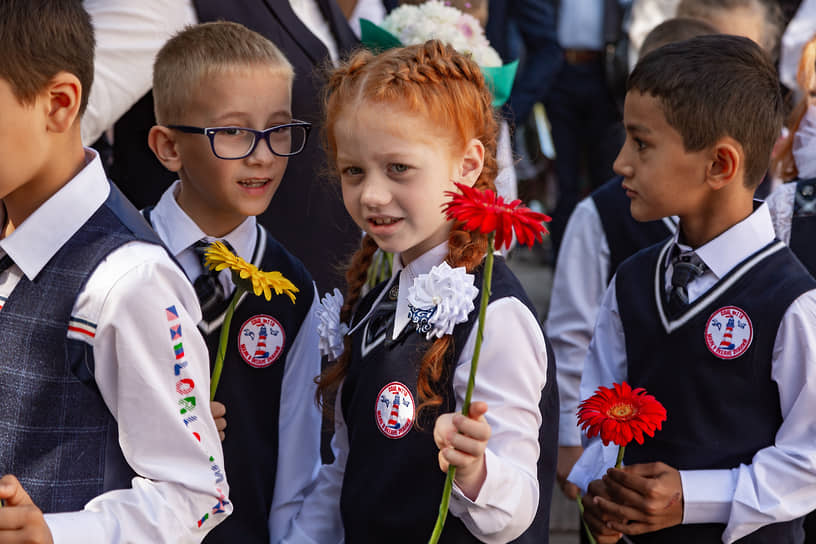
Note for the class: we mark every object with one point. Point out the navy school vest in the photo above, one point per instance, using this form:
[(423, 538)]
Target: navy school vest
[(392, 484), (56, 433), (260, 338), (711, 369), (624, 235), (803, 224)]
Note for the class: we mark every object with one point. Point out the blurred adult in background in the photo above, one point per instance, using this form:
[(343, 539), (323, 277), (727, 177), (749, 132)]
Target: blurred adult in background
[(307, 215), (585, 119)]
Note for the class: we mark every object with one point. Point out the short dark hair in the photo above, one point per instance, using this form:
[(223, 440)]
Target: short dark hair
[(675, 30), (39, 39), (714, 86)]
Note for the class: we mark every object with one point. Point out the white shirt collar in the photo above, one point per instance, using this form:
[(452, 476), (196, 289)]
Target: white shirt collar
[(37, 239), (420, 265), (178, 231), (734, 245)]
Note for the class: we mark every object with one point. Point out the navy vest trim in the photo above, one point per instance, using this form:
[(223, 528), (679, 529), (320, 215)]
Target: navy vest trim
[(719, 288)]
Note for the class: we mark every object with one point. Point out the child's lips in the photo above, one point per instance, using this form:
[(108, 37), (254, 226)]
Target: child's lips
[(382, 223), (254, 183)]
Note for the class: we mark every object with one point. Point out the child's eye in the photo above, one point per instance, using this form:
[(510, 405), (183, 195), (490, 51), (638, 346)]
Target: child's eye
[(233, 132), (639, 144), (398, 168), (351, 171)]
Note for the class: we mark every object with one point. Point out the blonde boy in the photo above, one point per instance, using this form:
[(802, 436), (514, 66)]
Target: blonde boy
[(223, 104)]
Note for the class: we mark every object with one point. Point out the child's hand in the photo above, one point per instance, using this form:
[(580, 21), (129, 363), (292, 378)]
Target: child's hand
[(594, 517), (218, 412), (649, 496), (567, 457), (462, 442), (20, 519)]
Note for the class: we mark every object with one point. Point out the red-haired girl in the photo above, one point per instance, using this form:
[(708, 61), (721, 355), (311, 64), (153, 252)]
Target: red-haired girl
[(401, 128)]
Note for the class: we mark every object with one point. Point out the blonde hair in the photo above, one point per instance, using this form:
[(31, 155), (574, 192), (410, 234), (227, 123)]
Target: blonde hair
[(199, 51)]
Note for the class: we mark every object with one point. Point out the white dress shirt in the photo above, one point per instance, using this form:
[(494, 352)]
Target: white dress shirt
[(309, 13), (579, 284), (126, 297), (508, 499), (780, 482), (128, 36), (299, 419)]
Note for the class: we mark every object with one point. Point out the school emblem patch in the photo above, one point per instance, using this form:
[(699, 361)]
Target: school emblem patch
[(261, 340), (394, 410), (729, 332)]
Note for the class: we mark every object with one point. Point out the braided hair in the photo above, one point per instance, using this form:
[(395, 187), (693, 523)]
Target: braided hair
[(433, 81)]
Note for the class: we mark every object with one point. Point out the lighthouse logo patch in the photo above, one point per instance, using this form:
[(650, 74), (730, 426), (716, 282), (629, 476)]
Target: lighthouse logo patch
[(394, 410), (261, 340), (729, 332)]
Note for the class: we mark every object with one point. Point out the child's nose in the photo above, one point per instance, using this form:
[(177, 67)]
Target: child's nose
[(262, 154), (621, 164), (375, 192)]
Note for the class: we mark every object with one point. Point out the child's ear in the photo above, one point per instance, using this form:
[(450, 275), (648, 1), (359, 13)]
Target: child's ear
[(162, 142), (726, 163), (472, 162), (63, 96)]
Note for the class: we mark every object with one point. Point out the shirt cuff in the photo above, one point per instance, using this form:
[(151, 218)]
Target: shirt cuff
[(76, 527), (707, 495), (459, 501), (569, 434)]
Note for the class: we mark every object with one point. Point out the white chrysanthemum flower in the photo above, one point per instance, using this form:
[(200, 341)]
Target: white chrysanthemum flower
[(330, 329), (434, 20), (441, 299)]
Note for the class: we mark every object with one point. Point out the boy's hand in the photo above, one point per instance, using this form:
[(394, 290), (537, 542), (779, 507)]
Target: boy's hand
[(649, 496), (218, 412), (594, 517), (20, 519), (567, 457), (462, 442)]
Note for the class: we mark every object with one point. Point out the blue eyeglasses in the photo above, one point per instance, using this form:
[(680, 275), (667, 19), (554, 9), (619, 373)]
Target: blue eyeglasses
[(231, 143)]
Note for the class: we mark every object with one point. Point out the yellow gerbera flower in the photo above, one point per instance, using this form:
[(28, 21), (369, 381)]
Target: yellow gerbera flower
[(247, 275)]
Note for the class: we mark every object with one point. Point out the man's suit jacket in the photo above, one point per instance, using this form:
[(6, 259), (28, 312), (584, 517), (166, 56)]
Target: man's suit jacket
[(306, 214)]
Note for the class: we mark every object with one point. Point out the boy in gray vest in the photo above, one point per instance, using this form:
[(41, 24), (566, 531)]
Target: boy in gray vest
[(106, 434)]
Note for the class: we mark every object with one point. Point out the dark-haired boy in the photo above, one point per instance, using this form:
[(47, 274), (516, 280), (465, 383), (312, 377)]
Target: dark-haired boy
[(105, 429), (600, 235), (716, 323)]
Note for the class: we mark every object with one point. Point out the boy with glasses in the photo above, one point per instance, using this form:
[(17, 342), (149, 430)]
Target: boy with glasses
[(223, 104)]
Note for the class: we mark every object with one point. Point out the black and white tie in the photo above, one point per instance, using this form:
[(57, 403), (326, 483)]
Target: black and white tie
[(686, 267), (209, 290)]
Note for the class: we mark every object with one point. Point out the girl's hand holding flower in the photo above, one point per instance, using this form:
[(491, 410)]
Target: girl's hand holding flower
[(462, 442)]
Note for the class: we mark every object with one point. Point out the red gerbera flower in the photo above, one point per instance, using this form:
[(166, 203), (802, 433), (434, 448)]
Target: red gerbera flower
[(620, 414), (487, 212)]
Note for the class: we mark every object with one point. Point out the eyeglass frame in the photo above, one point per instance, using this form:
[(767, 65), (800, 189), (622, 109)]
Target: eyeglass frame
[(210, 132)]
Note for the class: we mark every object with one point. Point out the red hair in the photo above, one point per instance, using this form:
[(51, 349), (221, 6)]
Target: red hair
[(448, 90)]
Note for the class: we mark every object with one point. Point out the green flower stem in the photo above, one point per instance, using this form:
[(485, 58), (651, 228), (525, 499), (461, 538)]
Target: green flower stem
[(619, 460), (222, 342), (474, 362), (590, 537)]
